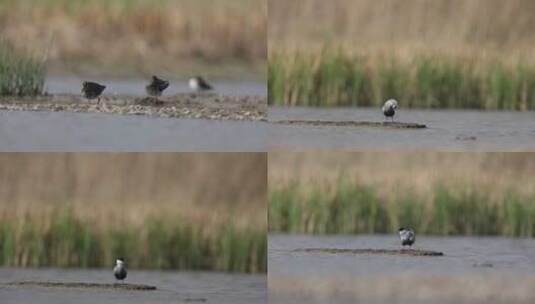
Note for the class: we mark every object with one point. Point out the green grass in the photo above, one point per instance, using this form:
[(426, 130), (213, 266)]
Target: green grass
[(334, 78), (157, 244), (20, 75), (355, 209)]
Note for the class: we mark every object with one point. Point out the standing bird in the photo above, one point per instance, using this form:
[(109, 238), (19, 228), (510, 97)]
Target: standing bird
[(156, 87), (120, 269), (389, 108), (198, 84), (406, 235), (92, 90)]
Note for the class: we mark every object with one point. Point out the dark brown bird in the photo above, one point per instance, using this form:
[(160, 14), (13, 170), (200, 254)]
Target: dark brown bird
[(92, 90), (156, 87)]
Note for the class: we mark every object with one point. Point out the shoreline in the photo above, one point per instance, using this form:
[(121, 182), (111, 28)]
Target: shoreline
[(184, 105)]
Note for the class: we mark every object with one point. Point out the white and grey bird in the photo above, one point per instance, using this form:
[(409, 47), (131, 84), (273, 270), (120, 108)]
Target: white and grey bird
[(389, 108), (407, 237), (120, 269), (198, 84)]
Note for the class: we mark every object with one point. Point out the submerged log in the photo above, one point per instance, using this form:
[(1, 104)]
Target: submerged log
[(350, 123), (122, 286), (409, 252)]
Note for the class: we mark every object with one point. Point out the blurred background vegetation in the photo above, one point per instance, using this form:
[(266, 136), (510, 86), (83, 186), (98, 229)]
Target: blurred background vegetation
[(427, 54), (200, 211), (131, 37), (434, 193)]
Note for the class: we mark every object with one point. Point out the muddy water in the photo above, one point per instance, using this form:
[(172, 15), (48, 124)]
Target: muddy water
[(64, 131), (136, 86), (472, 270), (446, 130), (172, 287)]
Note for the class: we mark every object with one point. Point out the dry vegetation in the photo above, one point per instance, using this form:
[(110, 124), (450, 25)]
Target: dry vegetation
[(463, 28), (126, 189), (436, 193), (175, 35), (492, 173)]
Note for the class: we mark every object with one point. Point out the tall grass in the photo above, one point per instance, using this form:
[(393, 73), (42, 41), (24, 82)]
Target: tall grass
[(353, 208), (338, 78), (437, 193), (429, 54), (20, 74), (68, 241), (204, 211)]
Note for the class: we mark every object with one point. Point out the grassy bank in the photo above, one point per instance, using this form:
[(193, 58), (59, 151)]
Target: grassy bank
[(337, 78), (354, 209), (141, 36), (20, 74), (63, 240)]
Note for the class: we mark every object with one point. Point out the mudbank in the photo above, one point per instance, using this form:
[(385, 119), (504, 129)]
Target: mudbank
[(409, 252), (384, 124), (122, 286), (201, 106)]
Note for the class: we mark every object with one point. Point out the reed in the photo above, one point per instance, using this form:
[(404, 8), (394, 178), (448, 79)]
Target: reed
[(377, 192), (339, 78), (353, 208), (68, 241), (199, 211), (441, 54), (20, 74)]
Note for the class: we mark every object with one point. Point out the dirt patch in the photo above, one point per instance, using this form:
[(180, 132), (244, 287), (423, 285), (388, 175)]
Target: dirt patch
[(121, 286), (384, 124), (200, 106), (409, 252)]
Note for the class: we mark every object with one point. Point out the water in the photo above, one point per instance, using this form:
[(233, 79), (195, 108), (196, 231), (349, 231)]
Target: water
[(448, 130), (136, 86), (469, 265), (64, 131), (172, 287)]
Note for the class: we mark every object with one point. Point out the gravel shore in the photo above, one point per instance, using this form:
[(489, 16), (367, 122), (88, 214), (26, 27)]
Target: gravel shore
[(200, 106)]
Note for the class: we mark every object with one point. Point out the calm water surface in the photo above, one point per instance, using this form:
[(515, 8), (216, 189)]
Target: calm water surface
[(447, 130), (472, 270), (173, 287), (460, 255), (136, 86), (63, 131)]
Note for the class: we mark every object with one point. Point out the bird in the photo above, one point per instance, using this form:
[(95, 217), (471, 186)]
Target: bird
[(156, 87), (120, 269), (389, 108), (92, 90), (198, 84), (406, 235)]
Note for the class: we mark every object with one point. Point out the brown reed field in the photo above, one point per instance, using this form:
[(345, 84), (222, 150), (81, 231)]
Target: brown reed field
[(159, 210), (431, 54), (179, 36), (436, 193)]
